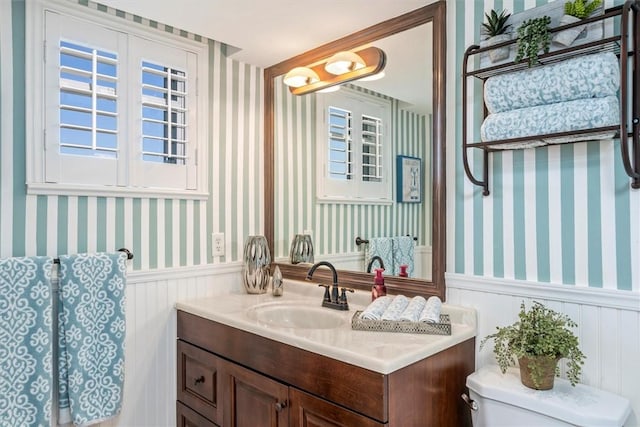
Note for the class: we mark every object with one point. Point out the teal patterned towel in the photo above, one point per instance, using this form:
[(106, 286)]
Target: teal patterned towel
[(382, 247), (582, 77), (26, 380), (403, 249), (91, 324), (553, 118)]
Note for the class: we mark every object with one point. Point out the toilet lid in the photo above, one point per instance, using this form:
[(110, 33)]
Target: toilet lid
[(581, 405)]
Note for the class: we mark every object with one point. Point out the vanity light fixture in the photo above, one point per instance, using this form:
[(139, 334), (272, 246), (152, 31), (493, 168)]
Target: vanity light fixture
[(372, 77), (343, 62), (301, 76), (330, 89), (349, 66)]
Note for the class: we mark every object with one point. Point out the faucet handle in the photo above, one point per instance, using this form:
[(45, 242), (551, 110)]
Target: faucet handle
[(326, 297), (343, 294)]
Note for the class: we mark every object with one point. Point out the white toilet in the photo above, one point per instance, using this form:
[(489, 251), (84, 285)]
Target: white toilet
[(501, 400)]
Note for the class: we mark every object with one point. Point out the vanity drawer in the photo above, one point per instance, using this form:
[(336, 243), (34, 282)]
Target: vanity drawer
[(198, 381), (187, 417)]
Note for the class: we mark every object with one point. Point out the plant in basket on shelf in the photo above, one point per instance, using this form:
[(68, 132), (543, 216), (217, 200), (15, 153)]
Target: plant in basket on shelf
[(533, 36), (575, 11), (496, 31), (538, 340)]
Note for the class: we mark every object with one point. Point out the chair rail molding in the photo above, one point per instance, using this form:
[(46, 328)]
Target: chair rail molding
[(626, 300)]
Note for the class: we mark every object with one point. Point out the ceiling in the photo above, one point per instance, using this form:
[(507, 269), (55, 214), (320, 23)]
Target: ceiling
[(266, 32)]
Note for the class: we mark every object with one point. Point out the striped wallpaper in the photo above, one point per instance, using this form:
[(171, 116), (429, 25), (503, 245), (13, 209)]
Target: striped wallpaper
[(562, 214), (335, 225), (162, 233)]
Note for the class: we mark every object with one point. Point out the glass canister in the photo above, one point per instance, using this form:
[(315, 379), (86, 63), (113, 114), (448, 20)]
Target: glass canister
[(255, 267)]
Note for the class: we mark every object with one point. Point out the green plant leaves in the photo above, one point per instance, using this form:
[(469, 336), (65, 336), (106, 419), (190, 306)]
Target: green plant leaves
[(533, 36), (538, 332), (496, 23)]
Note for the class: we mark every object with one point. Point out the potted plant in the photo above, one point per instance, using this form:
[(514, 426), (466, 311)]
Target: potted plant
[(533, 36), (495, 29), (575, 11), (538, 340)]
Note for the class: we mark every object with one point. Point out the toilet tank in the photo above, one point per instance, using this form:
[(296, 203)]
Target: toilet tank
[(502, 400)]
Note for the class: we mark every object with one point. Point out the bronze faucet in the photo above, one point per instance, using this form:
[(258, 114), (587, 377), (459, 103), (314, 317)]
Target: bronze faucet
[(337, 299), (375, 258)]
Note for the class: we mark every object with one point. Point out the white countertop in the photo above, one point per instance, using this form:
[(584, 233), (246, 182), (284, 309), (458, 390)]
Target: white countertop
[(382, 352)]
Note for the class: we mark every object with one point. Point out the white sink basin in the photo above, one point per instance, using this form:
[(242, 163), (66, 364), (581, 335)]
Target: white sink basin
[(296, 315)]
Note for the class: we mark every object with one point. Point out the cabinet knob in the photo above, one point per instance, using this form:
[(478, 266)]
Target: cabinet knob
[(199, 380), (280, 406)]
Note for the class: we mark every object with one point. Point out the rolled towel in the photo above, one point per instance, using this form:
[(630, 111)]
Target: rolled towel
[(376, 308), (581, 77), (552, 118), (413, 310), (395, 309), (431, 311)]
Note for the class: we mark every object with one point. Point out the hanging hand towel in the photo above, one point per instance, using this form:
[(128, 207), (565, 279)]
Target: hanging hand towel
[(26, 380), (375, 310), (403, 249), (382, 247), (91, 324)]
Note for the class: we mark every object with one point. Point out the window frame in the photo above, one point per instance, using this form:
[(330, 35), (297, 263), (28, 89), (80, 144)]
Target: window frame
[(355, 191), (36, 96)]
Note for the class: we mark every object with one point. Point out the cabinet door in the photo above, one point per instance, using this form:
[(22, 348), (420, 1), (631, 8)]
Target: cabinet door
[(187, 417), (251, 399), (311, 411), (198, 381)]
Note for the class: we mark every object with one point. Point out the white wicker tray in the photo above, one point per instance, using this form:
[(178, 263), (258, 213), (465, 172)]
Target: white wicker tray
[(442, 328)]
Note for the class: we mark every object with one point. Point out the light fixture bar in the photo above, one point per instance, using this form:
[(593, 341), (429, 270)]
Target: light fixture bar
[(374, 58)]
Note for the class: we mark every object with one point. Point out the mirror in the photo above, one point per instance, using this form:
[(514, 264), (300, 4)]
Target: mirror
[(335, 221)]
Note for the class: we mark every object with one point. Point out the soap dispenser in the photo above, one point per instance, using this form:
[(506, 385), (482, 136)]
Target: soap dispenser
[(378, 289), (403, 270)]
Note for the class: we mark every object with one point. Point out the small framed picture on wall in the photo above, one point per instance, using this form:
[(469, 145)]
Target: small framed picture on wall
[(409, 179)]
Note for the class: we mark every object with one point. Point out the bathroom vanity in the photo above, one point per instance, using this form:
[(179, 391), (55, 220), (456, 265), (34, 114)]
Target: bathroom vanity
[(256, 360)]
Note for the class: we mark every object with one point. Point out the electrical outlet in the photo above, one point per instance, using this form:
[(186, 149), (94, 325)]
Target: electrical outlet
[(217, 244)]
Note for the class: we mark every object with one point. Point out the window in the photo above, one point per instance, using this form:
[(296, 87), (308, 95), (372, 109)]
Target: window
[(119, 106), (354, 147)]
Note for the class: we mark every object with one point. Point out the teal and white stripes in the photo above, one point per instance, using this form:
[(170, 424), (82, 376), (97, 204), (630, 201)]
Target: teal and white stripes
[(560, 214), (336, 225), (162, 232)]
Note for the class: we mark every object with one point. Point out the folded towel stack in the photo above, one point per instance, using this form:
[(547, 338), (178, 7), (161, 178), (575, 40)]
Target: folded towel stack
[(375, 310), (582, 77), (553, 118), (576, 94), (401, 308)]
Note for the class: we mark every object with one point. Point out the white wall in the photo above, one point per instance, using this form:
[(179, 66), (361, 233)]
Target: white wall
[(150, 356)]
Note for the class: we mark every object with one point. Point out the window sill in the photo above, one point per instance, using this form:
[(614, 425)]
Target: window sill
[(112, 191)]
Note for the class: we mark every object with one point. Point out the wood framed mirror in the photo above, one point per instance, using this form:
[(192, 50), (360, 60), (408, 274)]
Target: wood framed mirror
[(435, 14)]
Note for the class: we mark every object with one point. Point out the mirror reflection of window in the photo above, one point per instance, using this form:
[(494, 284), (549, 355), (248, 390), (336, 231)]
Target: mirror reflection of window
[(354, 146)]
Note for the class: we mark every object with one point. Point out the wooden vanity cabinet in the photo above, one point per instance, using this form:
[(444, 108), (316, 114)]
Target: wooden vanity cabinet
[(261, 382), (198, 382), (251, 399)]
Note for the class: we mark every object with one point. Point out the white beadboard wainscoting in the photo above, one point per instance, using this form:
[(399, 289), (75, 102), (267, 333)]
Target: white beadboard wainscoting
[(150, 375), (608, 325)]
